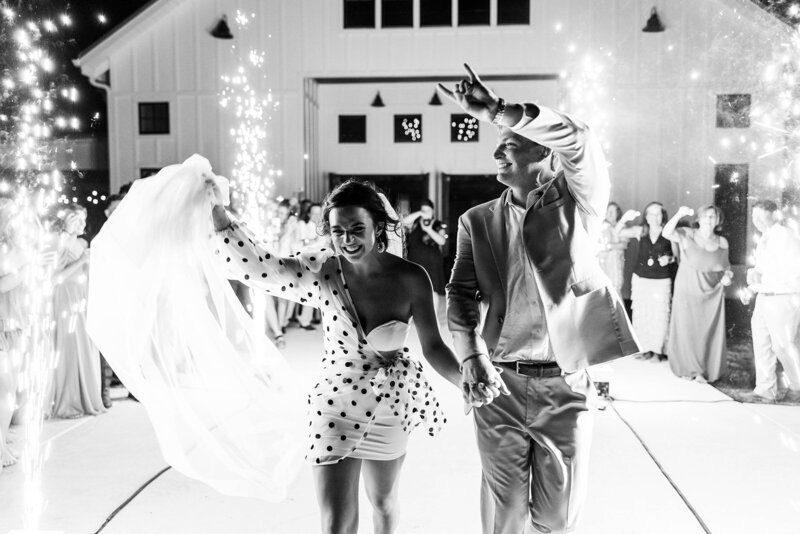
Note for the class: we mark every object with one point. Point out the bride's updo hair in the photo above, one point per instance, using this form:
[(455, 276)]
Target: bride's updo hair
[(360, 194)]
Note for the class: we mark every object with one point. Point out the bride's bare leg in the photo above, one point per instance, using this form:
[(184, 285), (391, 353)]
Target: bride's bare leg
[(337, 495), (382, 481)]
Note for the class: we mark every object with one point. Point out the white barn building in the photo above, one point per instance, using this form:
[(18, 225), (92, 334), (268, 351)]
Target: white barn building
[(654, 97)]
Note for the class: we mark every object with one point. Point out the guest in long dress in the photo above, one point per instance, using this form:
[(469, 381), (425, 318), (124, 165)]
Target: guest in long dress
[(651, 285), (424, 237), (697, 330), (611, 253), (12, 321), (76, 387)]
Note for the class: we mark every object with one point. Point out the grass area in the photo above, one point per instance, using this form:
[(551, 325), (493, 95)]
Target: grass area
[(740, 377)]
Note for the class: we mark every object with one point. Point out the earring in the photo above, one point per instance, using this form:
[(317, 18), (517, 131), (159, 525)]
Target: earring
[(381, 247)]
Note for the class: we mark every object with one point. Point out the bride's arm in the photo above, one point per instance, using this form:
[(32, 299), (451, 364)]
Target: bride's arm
[(438, 354), (245, 259)]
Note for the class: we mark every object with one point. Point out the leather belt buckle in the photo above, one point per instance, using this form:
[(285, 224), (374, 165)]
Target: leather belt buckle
[(537, 370)]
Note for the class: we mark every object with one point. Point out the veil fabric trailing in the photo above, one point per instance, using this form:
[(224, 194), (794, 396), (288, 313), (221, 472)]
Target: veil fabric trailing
[(224, 404)]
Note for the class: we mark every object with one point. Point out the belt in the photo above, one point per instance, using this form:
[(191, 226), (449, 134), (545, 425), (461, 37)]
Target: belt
[(533, 369)]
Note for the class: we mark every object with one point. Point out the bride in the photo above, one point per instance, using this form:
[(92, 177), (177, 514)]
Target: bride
[(369, 395)]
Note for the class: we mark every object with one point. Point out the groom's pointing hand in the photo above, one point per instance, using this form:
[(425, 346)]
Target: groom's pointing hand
[(473, 96)]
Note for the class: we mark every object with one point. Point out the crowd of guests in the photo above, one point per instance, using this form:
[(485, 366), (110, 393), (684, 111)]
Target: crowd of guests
[(76, 385), (673, 271)]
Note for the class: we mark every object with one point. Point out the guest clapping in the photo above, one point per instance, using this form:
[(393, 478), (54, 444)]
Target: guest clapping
[(651, 290), (697, 329)]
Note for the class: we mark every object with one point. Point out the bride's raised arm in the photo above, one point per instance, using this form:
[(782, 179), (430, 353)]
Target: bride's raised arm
[(244, 258)]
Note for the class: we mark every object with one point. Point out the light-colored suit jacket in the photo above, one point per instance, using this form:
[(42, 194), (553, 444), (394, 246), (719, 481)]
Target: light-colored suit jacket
[(586, 320)]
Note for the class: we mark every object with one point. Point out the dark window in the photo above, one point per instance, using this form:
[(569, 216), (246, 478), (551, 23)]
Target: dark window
[(513, 12), (473, 12), (359, 13), (153, 118), (408, 128), (733, 111), (435, 13), (397, 14), (463, 128), (146, 172), (730, 195), (352, 128)]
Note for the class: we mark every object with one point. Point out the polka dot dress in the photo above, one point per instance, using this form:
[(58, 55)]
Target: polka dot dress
[(367, 399)]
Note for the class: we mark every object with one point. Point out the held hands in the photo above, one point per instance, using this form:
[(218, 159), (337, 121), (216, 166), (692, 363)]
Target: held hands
[(473, 96), (664, 260), (480, 382), (727, 278), (753, 277)]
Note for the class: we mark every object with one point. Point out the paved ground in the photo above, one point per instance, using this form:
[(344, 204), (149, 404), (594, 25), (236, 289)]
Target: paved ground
[(669, 456)]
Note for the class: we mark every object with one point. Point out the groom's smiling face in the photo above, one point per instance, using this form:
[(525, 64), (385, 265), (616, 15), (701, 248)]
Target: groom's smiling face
[(519, 160), (352, 232)]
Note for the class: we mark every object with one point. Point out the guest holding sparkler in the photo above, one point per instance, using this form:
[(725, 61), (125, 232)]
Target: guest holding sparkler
[(611, 253), (775, 278), (697, 328)]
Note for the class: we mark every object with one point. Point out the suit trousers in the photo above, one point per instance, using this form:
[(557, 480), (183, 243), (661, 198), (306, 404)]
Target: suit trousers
[(776, 337), (534, 447)]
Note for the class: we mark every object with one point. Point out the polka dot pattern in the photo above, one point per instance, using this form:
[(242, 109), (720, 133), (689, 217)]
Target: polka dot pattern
[(358, 382)]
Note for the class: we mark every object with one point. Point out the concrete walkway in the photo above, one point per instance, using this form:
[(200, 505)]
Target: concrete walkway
[(669, 456)]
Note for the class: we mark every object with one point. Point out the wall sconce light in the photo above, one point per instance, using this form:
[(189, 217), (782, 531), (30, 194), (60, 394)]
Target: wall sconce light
[(654, 24), (435, 101), (377, 102), (221, 29)]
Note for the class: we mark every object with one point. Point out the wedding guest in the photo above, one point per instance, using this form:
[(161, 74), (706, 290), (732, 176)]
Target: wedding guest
[(424, 239), (651, 284), (310, 238), (696, 342), (286, 237), (76, 388), (775, 279), (13, 320), (527, 295), (611, 253), (370, 394)]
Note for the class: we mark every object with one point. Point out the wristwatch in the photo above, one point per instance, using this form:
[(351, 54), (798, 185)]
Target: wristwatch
[(501, 111)]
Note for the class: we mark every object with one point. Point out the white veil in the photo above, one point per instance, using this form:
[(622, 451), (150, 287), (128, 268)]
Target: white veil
[(220, 396)]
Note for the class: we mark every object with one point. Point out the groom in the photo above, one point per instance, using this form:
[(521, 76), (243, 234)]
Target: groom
[(527, 296)]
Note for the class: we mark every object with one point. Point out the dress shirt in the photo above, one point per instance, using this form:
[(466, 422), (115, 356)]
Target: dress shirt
[(777, 259), (524, 333)]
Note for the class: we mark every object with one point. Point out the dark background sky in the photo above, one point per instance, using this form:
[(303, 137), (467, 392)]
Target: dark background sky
[(86, 29)]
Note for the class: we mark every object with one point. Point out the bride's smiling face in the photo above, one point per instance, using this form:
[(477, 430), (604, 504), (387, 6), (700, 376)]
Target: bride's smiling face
[(353, 232)]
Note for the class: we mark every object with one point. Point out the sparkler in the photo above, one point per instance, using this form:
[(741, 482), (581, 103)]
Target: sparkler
[(253, 176), (30, 96)]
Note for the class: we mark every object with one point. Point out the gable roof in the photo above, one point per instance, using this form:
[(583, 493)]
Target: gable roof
[(94, 61)]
